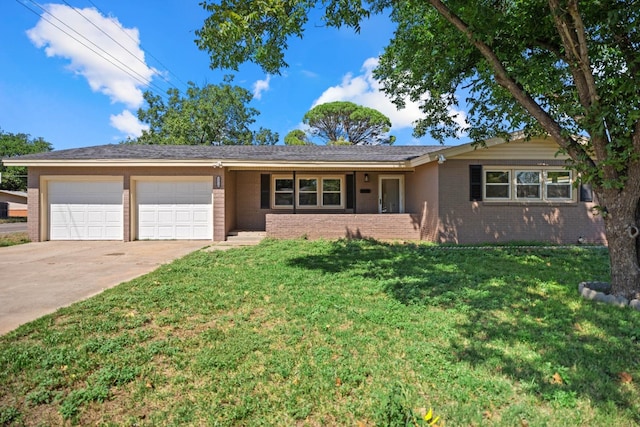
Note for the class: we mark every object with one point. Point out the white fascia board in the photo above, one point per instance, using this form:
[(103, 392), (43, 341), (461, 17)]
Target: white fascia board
[(108, 163), (245, 165), (455, 151), (231, 164)]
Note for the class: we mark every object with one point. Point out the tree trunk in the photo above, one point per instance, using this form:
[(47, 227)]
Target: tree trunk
[(622, 231)]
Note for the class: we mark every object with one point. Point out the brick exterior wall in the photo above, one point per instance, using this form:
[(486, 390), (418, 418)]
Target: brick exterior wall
[(464, 221), (33, 206), (333, 226), (421, 188), (230, 191), (249, 215)]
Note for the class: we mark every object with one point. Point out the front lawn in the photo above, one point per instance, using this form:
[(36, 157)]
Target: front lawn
[(13, 239), (354, 333)]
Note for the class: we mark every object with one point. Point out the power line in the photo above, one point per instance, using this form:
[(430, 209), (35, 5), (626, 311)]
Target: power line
[(140, 79), (142, 47), (116, 41)]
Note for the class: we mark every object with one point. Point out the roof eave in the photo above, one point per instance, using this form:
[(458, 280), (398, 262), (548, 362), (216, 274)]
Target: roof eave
[(229, 163), (459, 149), (107, 162)]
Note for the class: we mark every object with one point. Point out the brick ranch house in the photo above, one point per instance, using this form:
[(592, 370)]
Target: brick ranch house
[(502, 192)]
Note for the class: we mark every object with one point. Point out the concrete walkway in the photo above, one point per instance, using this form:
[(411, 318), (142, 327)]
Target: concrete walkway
[(38, 278)]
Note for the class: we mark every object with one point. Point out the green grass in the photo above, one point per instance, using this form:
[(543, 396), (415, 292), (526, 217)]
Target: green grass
[(13, 239), (13, 220), (334, 333)]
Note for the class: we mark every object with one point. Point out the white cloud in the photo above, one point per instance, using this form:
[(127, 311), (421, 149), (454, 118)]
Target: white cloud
[(98, 48), (364, 89), (261, 86), (128, 124), (309, 74)]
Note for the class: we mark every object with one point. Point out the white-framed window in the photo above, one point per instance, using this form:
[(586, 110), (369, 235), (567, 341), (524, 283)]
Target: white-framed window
[(527, 185), (311, 192), (558, 185), (497, 184), (331, 192), (282, 192), (307, 192)]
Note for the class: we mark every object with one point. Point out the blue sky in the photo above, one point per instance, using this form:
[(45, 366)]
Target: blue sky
[(53, 87)]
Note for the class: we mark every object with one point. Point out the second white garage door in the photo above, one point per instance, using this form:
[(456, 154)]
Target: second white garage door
[(174, 210)]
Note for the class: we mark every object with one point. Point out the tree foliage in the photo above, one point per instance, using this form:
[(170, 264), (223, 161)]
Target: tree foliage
[(297, 137), (208, 115), (14, 178), (358, 125), (563, 68)]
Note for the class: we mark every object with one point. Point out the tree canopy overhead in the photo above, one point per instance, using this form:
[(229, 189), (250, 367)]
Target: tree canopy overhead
[(208, 115), (564, 68), (14, 178), (349, 122)]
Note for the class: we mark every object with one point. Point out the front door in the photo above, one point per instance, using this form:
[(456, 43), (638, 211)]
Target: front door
[(391, 194)]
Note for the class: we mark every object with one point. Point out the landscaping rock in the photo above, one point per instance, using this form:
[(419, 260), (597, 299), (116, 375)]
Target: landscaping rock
[(599, 286), (602, 297), (597, 291), (635, 303), (588, 293), (620, 301)]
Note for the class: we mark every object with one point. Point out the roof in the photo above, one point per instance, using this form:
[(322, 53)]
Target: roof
[(236, 156), (14, 193), (339, 153)]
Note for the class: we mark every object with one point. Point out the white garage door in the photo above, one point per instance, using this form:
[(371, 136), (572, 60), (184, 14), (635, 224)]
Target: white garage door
[(180, 210), (85, 210)]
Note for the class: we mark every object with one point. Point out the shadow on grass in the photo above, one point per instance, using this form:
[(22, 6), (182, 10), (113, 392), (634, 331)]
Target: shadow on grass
[(524, 318)]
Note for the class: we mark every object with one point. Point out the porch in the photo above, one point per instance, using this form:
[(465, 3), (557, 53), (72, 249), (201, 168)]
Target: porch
[(400, 226)]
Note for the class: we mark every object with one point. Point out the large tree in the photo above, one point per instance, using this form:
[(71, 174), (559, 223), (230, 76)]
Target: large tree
[(346, 121), (16, 144), (208, 115), (564, 68)]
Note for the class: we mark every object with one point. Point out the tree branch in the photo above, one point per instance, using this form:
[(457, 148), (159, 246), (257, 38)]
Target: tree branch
[(575, 151)]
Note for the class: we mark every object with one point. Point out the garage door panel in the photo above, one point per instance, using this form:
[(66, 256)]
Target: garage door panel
[(175, 210), (85, 210)]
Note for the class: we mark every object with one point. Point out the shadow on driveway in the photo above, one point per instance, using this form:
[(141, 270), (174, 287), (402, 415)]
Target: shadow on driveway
[(38, 278)]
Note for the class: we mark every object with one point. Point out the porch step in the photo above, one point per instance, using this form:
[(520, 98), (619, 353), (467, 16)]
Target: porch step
[(246, 236), (238, 238)]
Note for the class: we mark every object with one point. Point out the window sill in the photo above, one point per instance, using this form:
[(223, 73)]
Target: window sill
[(309, 208), (529, 203)]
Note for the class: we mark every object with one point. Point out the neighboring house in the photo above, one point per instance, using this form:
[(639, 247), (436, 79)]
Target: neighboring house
[(512, 191), (13, 203)]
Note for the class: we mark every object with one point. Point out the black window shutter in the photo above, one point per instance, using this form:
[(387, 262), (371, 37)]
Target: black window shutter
[(475, 183), (265, 191), (586, 193), (350, 190)]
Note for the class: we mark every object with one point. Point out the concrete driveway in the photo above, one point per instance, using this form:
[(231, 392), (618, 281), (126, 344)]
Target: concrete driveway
[(38, 278)]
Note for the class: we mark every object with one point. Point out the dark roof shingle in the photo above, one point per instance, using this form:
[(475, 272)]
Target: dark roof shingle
[(340, 153)]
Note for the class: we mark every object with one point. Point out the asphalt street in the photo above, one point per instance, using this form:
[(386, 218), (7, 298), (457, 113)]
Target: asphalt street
[(13, 227)]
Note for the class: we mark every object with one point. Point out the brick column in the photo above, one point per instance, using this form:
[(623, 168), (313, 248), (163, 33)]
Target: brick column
[(219, 229)]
